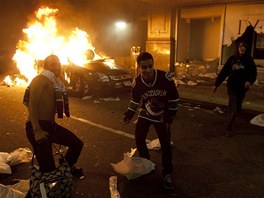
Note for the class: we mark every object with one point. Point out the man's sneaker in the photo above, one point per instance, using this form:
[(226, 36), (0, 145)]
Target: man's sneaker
[(77, 172), (167, 182)]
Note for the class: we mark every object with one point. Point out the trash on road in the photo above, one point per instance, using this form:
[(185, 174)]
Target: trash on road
[(18, 156), (218, 110), (113, 187), (110, 99), (17, 190), (133, 167), (4, 167), (258, 120), (155, 144)]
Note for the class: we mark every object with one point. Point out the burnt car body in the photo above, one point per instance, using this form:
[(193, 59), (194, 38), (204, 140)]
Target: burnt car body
[(96, 77)]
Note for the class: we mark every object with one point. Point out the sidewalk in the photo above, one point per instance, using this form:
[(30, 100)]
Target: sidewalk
[(203, 93)]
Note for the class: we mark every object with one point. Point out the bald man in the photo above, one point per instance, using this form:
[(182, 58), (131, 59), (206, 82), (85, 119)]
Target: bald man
[(41, 128)]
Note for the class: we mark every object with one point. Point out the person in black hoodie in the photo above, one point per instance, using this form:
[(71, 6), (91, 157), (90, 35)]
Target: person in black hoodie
[(240, 71)]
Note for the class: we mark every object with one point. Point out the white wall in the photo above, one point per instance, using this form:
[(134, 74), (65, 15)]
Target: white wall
[(249, 13), (204, 38)]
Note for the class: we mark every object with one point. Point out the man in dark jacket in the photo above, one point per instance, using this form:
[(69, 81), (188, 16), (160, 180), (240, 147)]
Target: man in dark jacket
[(240, 71), (156, 94)]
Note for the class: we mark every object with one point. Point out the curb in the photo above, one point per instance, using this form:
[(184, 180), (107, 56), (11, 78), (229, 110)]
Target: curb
[(204, 94)]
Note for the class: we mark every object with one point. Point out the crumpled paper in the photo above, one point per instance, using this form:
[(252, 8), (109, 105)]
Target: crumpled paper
[(133, 167), (258, 120), (155, 144)]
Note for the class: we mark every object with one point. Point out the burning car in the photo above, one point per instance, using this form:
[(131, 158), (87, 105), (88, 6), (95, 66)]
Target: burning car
[(98, 76), (83, 70)]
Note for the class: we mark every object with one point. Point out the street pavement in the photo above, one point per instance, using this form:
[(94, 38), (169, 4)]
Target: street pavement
[(206, 163)]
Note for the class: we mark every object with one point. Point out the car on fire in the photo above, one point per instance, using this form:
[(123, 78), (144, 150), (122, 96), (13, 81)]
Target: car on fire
[(95, 77)]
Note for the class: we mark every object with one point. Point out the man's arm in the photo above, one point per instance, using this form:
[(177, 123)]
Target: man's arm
[(133, 105), (225, 71)]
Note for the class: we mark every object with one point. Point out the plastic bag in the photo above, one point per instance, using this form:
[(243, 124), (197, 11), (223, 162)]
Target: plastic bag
[(154, 144), (133, 167), (19, 156), (4, 167), (21, 186), (6, 191), (258, 120)]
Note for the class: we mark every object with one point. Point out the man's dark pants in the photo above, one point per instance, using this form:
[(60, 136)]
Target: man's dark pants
[(142, 128), (58, 135)]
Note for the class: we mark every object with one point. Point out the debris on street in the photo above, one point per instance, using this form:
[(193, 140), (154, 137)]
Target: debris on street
[(133, 167)]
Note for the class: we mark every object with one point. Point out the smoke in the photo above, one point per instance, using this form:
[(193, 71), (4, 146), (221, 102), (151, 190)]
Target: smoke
[(13, 18), (98, 18)]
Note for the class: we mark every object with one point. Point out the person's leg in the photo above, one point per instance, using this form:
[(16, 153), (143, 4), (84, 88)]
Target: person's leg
[(63, 136), (232, 111), (42, 150), (142, 128), (163, 132), (164, 138), (240, 98)]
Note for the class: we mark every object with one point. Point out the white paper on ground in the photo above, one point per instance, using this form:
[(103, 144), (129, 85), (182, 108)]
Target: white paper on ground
[(258, 120)]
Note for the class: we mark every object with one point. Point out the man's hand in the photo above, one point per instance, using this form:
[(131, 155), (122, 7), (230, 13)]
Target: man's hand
[(40, 135), (247, 85), (124, 121), (127, 117)]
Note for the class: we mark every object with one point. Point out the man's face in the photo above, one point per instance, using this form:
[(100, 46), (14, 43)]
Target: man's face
[(241, 48), (55, 66), (146, 69)]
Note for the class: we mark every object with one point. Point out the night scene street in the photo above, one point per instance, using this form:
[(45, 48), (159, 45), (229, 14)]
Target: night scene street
[(206, 162), (108, 60)]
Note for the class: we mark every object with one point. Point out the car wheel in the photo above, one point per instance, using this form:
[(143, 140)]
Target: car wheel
[(81, 86)]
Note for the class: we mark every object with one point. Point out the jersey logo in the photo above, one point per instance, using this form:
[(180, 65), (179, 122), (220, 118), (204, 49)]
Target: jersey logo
[(169, 76)]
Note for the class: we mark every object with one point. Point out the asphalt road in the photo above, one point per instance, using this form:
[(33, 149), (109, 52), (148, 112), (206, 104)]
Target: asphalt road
[(206, 163)]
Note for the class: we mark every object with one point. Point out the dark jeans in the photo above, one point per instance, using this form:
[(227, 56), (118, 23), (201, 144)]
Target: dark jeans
[(234, 106), (58, 135), (142, 128)]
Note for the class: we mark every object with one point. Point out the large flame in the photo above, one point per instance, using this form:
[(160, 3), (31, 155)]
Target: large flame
[(42, 39)]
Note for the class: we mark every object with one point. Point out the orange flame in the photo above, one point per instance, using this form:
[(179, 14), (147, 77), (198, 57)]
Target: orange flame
[(43, 39)]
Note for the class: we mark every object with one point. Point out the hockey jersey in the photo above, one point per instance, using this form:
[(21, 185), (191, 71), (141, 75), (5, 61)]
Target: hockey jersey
[(155, 100)]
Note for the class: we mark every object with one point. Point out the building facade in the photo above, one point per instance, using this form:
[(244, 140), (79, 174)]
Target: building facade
[(204, 33)]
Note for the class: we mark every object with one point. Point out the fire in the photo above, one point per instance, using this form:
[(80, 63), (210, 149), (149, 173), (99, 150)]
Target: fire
[(42, 38), (14, 81)]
